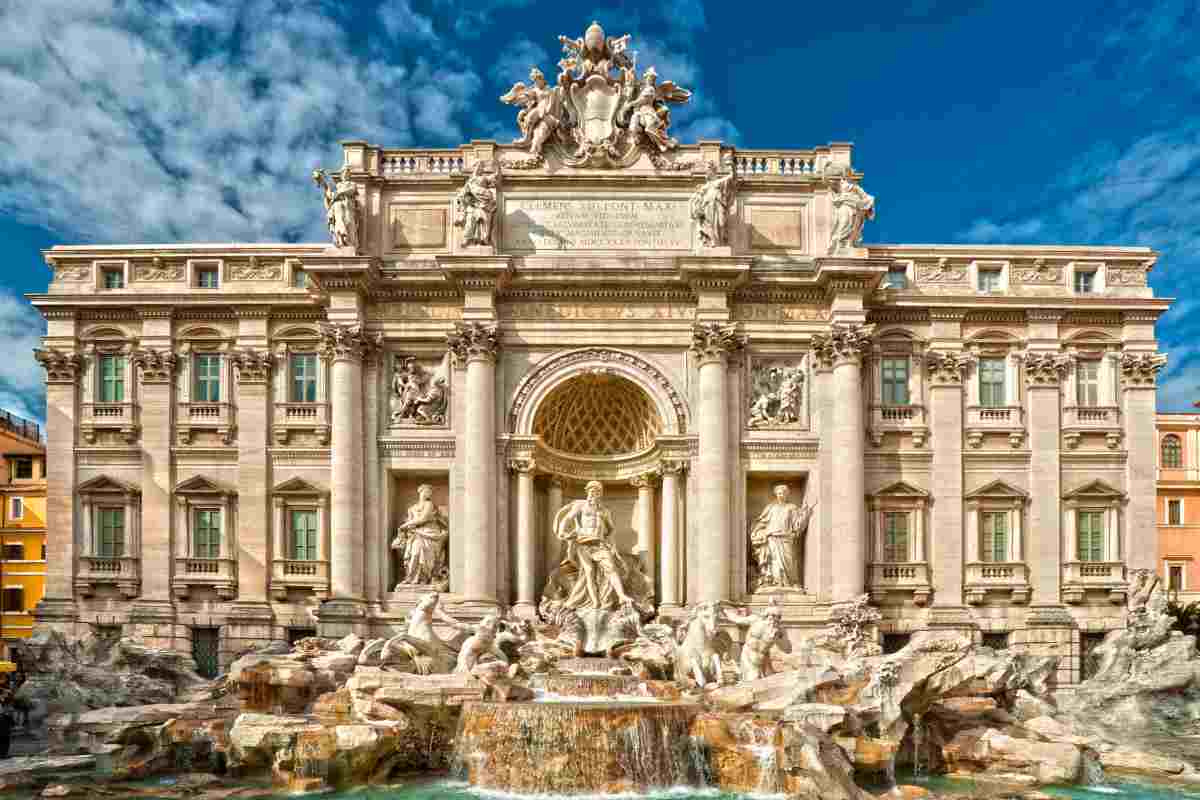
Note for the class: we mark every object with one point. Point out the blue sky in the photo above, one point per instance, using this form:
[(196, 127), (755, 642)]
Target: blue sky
[(1005, 122)]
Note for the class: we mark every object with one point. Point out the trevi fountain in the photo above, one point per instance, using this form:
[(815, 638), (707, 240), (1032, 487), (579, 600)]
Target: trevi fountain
[(678, 489)]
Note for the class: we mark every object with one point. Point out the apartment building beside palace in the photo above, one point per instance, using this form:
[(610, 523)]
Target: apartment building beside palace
[(237, 431), (22, 524), (1178, 504)]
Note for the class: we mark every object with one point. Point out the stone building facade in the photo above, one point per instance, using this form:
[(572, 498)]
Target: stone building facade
[(1178, 502), (969, 429)]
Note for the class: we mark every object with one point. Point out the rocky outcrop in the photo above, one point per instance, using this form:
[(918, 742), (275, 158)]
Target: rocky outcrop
[(25, 771)]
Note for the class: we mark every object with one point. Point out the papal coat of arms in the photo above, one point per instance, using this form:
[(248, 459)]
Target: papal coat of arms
[(599, 112)]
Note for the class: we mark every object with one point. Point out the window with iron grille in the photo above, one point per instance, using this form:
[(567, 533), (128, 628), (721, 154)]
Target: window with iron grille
[(894, 377), (22, 469), (206, 533)]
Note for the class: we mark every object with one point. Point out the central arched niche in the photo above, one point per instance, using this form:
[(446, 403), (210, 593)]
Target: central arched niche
[(595, 414)]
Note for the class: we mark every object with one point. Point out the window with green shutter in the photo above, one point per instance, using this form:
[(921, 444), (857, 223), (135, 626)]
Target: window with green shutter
[(991, 382), (894, 377), (110, 532), (304, 378), (994, 530), (1090, 533), (208, 379), (112, 379), (206, 533), (304, 535), (895, 536)]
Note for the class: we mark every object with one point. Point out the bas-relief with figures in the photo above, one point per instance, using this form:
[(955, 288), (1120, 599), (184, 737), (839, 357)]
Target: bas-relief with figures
[(599, 379)]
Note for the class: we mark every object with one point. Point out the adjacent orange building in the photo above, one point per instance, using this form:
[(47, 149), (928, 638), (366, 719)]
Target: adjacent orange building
[(22, 524), (1178, 510)]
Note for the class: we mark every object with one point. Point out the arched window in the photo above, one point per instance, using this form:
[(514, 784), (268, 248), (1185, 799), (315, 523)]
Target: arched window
[(1172, 452)]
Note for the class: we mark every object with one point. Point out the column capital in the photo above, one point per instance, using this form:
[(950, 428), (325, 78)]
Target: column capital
[(254, 366), (1140, 370), (158, 366), (347, 342), (522, 465), (716, 341), (474, 341), (1045, 367), (646, 480), (60, 367), (845, 343), (673, 467), (948, 367)]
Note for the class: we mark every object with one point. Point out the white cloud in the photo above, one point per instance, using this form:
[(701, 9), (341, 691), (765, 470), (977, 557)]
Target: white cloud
[(22, 390), (514, 61), (402, 22), (985, 230)]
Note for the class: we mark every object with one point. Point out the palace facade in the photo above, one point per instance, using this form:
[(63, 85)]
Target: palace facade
[(239, 435)]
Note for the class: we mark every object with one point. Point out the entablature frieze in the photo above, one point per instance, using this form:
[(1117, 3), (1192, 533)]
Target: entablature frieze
[(417, 447)]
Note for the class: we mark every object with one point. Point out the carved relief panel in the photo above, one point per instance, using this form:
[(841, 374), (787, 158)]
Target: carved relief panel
[(419, 392), (777, 396)]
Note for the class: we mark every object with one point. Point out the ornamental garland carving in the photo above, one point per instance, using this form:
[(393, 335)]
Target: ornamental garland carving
[(1045, 368), (1141, 369), (64, 274), (472, 340), (1039, 273), (419, 395), (776, 395), (941, 272), (844, 342), (60, 367), (254, 366), (157, 366), (948, 366), (158, 271), (341, 342), (253, 271), (714, 340), (1127, 277)]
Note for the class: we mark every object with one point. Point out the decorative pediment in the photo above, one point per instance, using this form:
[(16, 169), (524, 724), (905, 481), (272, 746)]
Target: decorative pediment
[(1095, 491), (298, 487), (201, 484), (997, 490), (104, 485), (901, 489)]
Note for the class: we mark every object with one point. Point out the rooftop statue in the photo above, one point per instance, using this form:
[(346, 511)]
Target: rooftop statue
[(711, 205), (852, 207), (342, 213), (598, 111)]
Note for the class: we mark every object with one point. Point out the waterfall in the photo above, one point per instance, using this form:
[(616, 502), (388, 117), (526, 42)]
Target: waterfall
[(1093, 773), (918, 741), (768, 770)]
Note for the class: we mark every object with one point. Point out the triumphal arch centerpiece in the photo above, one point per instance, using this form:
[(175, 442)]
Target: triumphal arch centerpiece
[(591, 376)]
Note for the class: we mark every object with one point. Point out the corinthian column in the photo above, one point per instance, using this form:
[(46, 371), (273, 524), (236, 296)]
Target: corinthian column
[(346, 346), (526, 538), (476, 345), (844, 346), (711, 554), (1139, 375), (645, 517)]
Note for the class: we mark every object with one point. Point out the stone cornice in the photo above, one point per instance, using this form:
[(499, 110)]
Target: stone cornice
[(473, 341), (780, 449), (715, 341), (477, 273), (714, 273)]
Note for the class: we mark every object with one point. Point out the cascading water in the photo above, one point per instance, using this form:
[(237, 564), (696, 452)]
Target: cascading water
[(918, 743)]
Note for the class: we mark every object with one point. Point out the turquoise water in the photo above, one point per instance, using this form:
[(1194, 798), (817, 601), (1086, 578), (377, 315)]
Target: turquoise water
[(1107, 791)]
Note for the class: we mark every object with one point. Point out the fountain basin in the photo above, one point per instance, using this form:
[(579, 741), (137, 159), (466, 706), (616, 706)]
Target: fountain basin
[(606, 686)]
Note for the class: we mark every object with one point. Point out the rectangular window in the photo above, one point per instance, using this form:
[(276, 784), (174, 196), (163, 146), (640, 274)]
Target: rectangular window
[(1090, 532), (1085, 282), (996, 641), (16, 508), (22, 469), (895, 536), (989, 280), (991, 382), (1174, 512), (304, 378), (304, 535), (895, 642), (207, 278), (994, 531), (14, 552), (1087, 383), (1175, 577), (299, 278), (206, 533), (895, 381), (208, 379), (113, 279), (112, 379), (110, 532), (897, 278), (43, 552), (14, 599)]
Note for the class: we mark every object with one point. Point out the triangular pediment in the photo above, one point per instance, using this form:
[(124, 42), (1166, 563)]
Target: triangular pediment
[(102, 484), (901, 489), (297, 486), (997, 489), (1096, 489), (201, 484)]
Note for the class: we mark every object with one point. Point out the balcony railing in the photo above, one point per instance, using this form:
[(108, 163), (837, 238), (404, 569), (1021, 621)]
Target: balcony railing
[(20, 426), (121, 417), (1083, 576), (219, 573), (898, 418), (288, 573), (997, 576), (119, 571), (1078, 420), (216, 417), (781, 162), (982, 420), (900, 576), (394, 163), (301, 417)]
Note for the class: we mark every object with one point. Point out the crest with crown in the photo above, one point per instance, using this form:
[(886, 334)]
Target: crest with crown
[(599, 112)]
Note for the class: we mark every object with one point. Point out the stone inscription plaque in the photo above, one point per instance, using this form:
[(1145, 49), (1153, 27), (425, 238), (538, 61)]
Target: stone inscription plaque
[(586, 224), (417, 227)]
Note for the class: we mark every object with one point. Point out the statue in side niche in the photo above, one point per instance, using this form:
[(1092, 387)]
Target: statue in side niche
[(776, 539), (421, 542), (342, 212), (711, 205)]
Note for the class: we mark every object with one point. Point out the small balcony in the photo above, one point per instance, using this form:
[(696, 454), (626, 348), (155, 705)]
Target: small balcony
[(1078, 420), (1080, 577), (215, 417), (218, 573), (119, 417), (982, 420), (289, 573), (1008, 577), (910, 577), (305, 417), (898, 419), (121, 572)]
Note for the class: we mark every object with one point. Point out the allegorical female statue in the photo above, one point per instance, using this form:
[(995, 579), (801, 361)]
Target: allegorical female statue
[(710, 207), (341, 208), (476, 206), (776, 539), (852, 207), (421, 542)]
